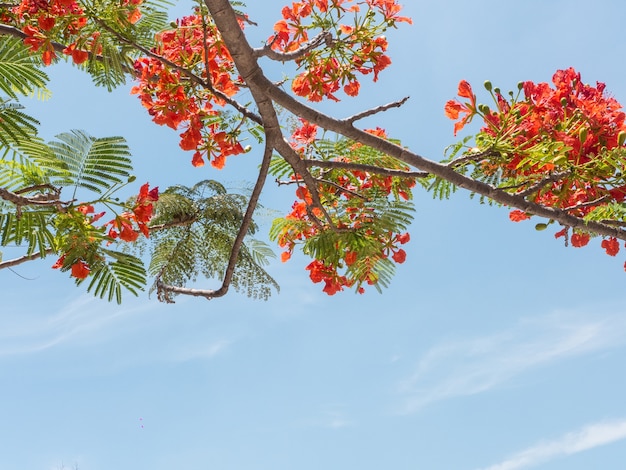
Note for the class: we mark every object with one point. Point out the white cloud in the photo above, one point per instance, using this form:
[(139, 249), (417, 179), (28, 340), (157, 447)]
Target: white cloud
[(141, 329), (590, 436), (471, 366), (30, 333)]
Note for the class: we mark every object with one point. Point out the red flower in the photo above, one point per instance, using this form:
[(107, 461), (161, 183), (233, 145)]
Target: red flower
[(46, 23), (579, 239), (88, 209), (306, 133), (518, 216), (147, 195), (404, 238), (350, 257), (453, 109), (611, 245), (352, 88), (80, 269), (59, 263), (465, 91), (399, 256), (197, 160)]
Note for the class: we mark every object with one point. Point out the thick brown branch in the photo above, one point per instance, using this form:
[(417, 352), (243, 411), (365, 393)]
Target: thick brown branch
[(246, 63)]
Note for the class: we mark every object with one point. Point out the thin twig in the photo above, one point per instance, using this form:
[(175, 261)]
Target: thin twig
[(324, 37), (366, 168), (379, 109), (23, 259), (582, 205), (540, 184)]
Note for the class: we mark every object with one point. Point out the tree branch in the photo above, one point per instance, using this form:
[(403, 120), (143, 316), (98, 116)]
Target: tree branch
[(266, 51), (366, 168), (245, 60), (208, 294), (23, 259), (378, 109)]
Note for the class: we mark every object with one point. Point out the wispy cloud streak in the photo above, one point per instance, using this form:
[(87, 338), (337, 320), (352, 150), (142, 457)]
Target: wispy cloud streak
[(471, 366), (593, 435), (101, 329)]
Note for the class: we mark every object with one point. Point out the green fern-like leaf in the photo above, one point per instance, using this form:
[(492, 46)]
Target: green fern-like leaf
[(82, 161), (19, 71), (108, 279), (193, 233), (15, 125)]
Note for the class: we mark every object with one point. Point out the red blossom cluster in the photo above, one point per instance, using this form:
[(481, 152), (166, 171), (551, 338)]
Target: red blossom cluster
[(173, 99), (123, 226), (565, 140), (43, 20), (356, 47), (346, 197), (80, 249)]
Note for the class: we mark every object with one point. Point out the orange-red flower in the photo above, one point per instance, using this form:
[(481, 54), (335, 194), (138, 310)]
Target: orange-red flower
[(399, 256), (80, 270), (611, 246), (518, 216), (579, 239)]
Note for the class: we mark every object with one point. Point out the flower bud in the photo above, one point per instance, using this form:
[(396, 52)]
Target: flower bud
[(520, 85), (582, 134), (621, 137), (540, 227), (487, 85)]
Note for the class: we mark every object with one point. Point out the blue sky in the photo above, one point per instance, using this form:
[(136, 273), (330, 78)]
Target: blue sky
[(495, 348)]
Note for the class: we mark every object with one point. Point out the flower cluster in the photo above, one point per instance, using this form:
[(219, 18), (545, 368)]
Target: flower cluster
[(173, 98), (349, 220), (561, 145), (359, 46), (123, 226), (80, 240), (43, 21)]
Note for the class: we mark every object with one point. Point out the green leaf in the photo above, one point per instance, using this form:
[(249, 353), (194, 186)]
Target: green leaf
[(82, 161), (108, 279), (19, 71)]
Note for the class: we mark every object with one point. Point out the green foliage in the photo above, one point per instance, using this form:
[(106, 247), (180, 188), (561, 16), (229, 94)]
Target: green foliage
[(363, 211), (108, 278), (30, 228), (111, 67), (192, 234), (80, 160), (19, 71)]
